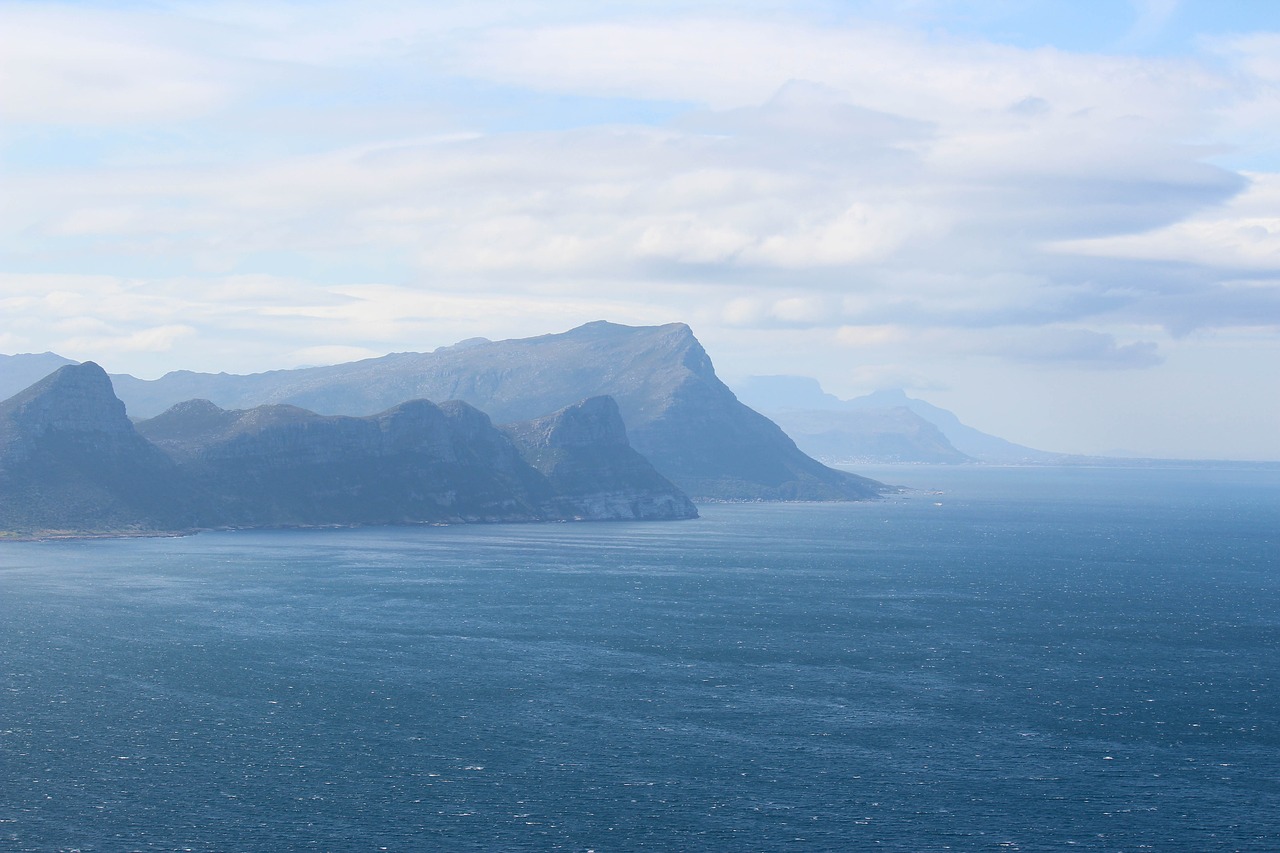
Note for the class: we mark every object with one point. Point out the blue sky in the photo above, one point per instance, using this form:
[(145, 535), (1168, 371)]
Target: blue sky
[(1062, 221)]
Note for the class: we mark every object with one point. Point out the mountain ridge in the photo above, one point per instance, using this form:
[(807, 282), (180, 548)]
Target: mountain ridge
[(71, 461), (677, 412), (859, 428)]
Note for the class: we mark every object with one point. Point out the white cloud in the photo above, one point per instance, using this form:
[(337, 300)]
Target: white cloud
[(274, 180), (870, 336), (106, 344), (728, 63), (79, 65), (1242, 234), (321, 355)]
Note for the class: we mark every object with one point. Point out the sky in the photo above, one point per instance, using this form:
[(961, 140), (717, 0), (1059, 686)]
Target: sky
[(1059, 220)]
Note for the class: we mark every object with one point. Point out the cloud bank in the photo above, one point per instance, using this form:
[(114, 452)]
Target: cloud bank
[(261, 183)]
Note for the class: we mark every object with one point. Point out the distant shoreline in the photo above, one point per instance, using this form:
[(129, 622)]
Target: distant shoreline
[(72, 536), (1065, 462)]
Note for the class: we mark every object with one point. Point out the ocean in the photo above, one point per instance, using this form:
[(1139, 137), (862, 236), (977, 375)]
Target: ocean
[(1005, 659)]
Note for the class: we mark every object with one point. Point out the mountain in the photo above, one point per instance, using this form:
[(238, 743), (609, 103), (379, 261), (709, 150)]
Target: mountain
[(886, 426), (416, 462), (70, 460), (678, 414), (972, 442), (894, 434), (18, 372), (584, 453)]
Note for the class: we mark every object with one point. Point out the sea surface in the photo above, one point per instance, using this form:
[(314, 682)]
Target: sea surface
[(1008, 659)]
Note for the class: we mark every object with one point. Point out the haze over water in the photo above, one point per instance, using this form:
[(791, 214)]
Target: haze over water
[(1032, 659)]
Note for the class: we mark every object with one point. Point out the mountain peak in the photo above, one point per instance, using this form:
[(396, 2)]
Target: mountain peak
[(595, 421), (74, 398)]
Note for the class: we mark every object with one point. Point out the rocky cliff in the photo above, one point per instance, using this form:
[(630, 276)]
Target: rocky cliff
[(583, 452)]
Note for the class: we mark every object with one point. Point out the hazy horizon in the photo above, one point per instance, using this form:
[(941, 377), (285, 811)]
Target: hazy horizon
[(1059, 223)]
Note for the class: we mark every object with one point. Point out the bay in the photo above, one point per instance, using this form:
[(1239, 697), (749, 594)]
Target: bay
[(1006, 659)]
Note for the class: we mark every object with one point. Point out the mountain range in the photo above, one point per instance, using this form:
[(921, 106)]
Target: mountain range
[(886, 426), (72, 462), (677, 412)]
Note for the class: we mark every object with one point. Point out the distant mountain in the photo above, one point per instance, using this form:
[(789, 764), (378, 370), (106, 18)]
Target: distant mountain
[(18, 372), (678, 414), (966, 439), (887, 426), (872, 435), (71, 462)]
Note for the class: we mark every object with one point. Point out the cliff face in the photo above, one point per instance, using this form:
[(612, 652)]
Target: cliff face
[(677, 412), (71, 460), (583, 452)]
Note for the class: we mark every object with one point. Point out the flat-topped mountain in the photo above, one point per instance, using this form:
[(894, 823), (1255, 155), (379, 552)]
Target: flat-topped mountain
[(678, 414), (72, 462)]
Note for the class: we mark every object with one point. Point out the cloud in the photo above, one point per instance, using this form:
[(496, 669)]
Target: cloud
[(1076, 348), (847, 177), (107, 343), (253, 323), (80, 65), (321, 355), (1243, 234), (726, 63)]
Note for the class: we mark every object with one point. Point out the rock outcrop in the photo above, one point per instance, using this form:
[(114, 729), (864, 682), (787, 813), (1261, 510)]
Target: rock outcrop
[(583, 452)]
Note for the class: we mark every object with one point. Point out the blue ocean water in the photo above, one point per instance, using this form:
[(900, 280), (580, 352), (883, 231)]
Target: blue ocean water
[(1029, 659)]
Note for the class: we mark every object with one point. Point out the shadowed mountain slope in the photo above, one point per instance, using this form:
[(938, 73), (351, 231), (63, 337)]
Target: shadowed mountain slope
[(416, 462), (72, 463), (583, 452)]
